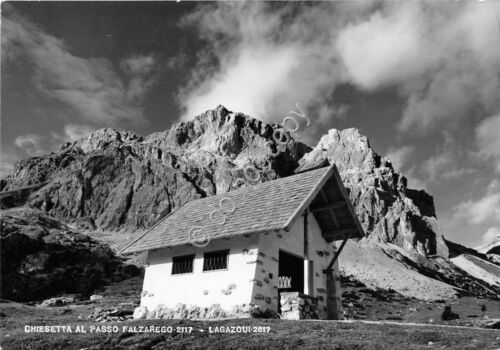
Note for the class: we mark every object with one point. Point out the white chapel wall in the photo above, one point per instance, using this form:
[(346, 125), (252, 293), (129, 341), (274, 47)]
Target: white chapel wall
[(201, 288), (320, 252)]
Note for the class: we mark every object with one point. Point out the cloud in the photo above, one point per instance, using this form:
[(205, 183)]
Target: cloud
[(399, 156), (7, 161), (445, 163), (72, 132), (35, 145), (31, 144), (242, 85), (488, 141), (260, 61), (491, 234), (327, 112), (443, 58), (377, 50), (482, 210), (413, 181), (140, 69), (90, 86)]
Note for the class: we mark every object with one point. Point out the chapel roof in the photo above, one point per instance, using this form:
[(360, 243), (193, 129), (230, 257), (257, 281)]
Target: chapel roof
[(270, 206)]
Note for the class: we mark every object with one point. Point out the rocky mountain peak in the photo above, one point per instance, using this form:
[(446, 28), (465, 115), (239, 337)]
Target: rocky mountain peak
[(107, 137), (117, 180), (351, 149), (388, 210)]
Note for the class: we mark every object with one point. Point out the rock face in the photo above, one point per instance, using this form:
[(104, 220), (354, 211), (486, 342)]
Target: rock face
[(122, 182), (117, 180), (387, 209), (42, 257)]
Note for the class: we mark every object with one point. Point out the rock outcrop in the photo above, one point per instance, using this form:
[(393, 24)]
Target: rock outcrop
[(42, 257), (387, 209), (122, 182)]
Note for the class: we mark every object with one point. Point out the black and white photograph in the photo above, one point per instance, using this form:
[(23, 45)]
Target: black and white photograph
[(250, 175)]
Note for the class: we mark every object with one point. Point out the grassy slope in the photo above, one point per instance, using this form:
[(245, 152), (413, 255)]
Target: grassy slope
[(360, 303), (282, 335)]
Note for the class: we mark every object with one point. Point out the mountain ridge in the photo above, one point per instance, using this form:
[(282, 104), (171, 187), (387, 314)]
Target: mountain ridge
[(118, 181)]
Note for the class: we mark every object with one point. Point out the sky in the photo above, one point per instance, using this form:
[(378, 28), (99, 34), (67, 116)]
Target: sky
[(420, 79)]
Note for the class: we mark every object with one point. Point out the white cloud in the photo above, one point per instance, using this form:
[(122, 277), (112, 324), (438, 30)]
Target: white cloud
[(266, 62), (481, 210), (7, 161), (31, 144), (378, 50), (491, 234), (243, 86), (443, 58), (76, 132), (399, 156), (72, 132), (477, 219), (90, 86)]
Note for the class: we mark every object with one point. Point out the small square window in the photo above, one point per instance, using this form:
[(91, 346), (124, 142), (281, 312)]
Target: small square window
[(215, 260), (182, 264)]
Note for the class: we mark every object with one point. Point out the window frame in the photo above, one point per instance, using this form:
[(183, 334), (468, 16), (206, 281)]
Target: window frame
[(226, 251), (192, 256)]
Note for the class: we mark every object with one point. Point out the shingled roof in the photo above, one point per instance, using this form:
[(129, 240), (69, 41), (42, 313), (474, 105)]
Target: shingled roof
[(269, 206)]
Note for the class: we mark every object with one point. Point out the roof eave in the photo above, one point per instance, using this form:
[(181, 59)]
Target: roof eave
[(279, 228), (361, 232), (314, 192), (124, 250)]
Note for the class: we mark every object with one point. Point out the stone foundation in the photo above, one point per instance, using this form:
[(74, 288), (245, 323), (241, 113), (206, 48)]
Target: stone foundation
[(298, 306), (181, 311)]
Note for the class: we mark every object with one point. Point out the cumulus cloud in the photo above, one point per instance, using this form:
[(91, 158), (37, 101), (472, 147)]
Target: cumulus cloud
[(261, 62), (90, 86), (377, 51), (443, 58)]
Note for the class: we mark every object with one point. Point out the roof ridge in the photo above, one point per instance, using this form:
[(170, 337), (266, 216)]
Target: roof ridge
[(268, 206)]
